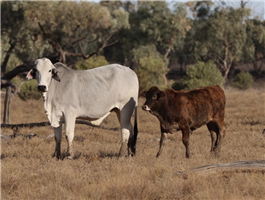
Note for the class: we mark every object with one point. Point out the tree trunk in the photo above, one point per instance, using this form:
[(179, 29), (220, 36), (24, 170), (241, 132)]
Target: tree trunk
[(165, 80), (7, 103), (227, 71)]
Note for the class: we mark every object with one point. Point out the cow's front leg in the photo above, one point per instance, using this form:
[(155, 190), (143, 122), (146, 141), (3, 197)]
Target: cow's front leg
[(162, 141), (185, 140), (58, 139), (69, 134)]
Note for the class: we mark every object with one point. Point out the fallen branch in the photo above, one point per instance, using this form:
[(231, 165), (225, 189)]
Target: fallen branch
[(29, 136), (29, 125), (252, 166), (40, 124)]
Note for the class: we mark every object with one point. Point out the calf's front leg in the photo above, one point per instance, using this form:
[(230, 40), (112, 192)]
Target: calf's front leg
[(185, 140), (162, 139)]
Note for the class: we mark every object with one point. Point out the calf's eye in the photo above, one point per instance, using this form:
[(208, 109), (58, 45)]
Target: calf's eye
[(154, 97)]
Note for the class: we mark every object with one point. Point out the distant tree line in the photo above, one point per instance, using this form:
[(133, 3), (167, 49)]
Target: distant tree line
[(148, 36)]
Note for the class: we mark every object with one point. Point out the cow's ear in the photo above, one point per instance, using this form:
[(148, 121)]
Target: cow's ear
[(55, 75), (143, 93), (31, 74)]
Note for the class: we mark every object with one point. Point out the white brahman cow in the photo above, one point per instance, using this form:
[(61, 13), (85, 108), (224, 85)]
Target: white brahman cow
[(89, 94)]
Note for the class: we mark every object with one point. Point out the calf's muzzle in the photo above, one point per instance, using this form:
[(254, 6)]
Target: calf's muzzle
[(146, 108)]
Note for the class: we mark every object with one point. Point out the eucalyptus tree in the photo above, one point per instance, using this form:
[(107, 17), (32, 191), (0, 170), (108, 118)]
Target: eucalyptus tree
[(11, 24), (224, 38), (254, 50), (160, 29), (163, 26), (18, 47), (75, 29)]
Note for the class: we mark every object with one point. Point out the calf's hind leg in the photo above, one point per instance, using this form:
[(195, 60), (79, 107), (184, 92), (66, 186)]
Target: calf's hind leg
[(217, 131), (222, 131), (185, 139), (214, 131)]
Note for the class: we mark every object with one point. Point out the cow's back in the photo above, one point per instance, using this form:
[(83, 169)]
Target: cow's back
[(203, 105)]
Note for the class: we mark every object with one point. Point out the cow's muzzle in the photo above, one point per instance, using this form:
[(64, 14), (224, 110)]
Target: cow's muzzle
[(146, 108), (42, 88)]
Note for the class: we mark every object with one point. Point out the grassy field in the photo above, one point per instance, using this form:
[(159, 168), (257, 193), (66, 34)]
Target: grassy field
[(28, 170)]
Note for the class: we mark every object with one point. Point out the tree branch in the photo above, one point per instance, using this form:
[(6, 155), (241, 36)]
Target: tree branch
[(19, 69), (5, 83), (8, 53)]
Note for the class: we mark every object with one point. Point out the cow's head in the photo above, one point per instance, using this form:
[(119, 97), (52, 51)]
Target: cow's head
[(43, 71), (152, 96)]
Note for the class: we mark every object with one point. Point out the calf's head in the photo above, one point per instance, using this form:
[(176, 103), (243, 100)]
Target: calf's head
[(153, 95), (43, 71)]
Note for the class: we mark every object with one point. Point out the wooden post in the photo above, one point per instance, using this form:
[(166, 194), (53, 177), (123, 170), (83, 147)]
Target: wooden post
[(7, 103)]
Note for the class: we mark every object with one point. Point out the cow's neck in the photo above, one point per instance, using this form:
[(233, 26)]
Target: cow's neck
[(47, 98), (44, 95)]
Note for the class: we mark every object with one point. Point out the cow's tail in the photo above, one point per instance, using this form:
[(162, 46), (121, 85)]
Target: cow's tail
[(135, 130)]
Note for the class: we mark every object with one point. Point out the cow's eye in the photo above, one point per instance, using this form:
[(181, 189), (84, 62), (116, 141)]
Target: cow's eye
[(50, 70), (154, 97)]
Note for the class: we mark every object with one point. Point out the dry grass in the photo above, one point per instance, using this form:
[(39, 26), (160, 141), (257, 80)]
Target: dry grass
[(29, 171)]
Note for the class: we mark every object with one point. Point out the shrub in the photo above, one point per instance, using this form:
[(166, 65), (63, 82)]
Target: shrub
[(150, 72), (200, 75), (95, 61), (29, 90), (243, 80), (151, 67)]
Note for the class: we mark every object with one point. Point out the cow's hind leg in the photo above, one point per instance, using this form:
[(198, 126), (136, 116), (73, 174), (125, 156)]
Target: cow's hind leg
[(126, 129), (58, 139)]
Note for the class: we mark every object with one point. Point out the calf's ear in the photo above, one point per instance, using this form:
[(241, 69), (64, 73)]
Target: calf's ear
[(160, 94), (143, 93), (55, 75), (31, 74)]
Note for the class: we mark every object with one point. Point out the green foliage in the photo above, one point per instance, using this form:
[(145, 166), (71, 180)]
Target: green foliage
[(145, 51), (29, 90), (151, 72), (68, 31), (151, 68), (91, 63), (222, 38), (243, 80), (200, 75)]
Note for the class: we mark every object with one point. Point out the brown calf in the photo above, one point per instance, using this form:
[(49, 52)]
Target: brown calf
[(187, 111)]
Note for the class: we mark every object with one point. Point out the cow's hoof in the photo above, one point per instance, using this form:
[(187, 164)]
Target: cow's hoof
[(57, 156), (69, 157)]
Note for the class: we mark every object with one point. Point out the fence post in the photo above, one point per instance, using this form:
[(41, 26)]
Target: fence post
[(7, 103)]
